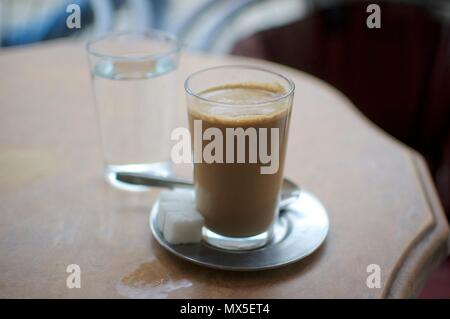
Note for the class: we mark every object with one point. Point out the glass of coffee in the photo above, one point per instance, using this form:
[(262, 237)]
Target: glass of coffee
[(239, 123)]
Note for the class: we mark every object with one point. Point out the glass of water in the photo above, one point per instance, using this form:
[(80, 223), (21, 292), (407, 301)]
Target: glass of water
[(134, 80)]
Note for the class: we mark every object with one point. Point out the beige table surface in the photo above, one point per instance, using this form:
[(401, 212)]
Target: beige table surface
[(56, 209)]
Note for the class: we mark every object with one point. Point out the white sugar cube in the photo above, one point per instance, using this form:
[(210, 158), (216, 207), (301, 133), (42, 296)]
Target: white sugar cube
[(179, 195), (183, 227), (174, 206)]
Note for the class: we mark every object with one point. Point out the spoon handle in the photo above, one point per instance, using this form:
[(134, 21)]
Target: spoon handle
[(289, 193), (153, 180)]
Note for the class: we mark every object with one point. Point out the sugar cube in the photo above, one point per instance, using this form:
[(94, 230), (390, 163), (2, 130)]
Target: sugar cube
[(174, 206), (183, 227)]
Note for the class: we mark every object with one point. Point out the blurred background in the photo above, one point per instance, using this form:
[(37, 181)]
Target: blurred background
[(398, 75)]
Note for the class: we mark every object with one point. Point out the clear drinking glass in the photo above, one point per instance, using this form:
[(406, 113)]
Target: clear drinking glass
[(237, 197), (134, 80)]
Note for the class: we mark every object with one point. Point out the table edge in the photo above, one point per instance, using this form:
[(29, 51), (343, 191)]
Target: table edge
[(428, 250)]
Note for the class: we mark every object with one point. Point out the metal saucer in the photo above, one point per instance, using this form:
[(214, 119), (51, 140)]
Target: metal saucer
[(298, 232)]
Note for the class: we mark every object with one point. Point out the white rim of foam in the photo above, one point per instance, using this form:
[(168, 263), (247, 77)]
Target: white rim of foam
[(288, 93)]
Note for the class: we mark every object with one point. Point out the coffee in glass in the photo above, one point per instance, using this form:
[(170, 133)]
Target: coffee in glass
[(239, 122)]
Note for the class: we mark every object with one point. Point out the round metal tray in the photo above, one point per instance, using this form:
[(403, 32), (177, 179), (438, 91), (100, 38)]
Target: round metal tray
[(298, 232)]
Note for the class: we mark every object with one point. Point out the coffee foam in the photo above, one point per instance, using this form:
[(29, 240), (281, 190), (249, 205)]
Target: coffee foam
[(239, 104)]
